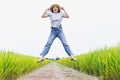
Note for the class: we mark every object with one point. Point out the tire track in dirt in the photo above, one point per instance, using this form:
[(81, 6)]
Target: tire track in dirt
[(55, 71)]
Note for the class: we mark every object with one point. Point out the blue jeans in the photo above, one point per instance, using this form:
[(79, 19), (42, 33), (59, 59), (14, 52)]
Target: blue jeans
[(56, 32)]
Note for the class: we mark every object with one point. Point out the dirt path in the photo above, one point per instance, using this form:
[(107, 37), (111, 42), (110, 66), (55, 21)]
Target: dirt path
[(55, 71)]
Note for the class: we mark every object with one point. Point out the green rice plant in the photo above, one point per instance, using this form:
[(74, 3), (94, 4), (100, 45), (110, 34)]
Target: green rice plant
[(103, 63), (13, 65)]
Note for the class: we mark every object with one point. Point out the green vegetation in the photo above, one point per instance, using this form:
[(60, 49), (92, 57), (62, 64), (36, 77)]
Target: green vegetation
[(14, 65), (103, 63)]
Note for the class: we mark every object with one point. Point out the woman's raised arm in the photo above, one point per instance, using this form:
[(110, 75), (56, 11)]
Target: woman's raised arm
[(66, 15), (44, 14)]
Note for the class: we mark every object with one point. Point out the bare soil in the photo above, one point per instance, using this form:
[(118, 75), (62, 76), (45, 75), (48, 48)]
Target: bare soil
[(55, 71)]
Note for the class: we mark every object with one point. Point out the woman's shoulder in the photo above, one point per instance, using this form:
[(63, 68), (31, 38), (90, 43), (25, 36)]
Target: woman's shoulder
[(49, 12), (62, 13)]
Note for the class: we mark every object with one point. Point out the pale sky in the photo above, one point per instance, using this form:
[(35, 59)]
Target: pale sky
[(92, 24)]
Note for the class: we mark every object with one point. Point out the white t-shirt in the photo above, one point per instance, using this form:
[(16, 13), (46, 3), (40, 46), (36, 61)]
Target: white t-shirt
[(55, 18)]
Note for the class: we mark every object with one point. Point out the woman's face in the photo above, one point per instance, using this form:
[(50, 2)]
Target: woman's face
[(55, 9)]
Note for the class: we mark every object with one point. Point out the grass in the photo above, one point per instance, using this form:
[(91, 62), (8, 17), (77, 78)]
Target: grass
[(103, 63), (14, 65)]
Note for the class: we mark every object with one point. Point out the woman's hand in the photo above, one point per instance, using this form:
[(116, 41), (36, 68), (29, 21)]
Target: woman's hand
[(62, 8)]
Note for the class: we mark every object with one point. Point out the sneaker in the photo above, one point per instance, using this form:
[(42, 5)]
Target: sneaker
[(73, 58), (40, 60)]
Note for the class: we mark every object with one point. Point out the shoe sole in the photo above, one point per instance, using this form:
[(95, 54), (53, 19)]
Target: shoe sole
[(73, 60), (40, 60)]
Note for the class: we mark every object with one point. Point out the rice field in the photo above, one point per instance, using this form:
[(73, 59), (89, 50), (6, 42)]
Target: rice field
[(103, 63), (13, 65)]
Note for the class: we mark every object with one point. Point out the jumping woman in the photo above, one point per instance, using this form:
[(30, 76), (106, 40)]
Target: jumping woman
[(56, 13)]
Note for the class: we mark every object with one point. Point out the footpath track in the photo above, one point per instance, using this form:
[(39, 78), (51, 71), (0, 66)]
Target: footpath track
[(55, 71)]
